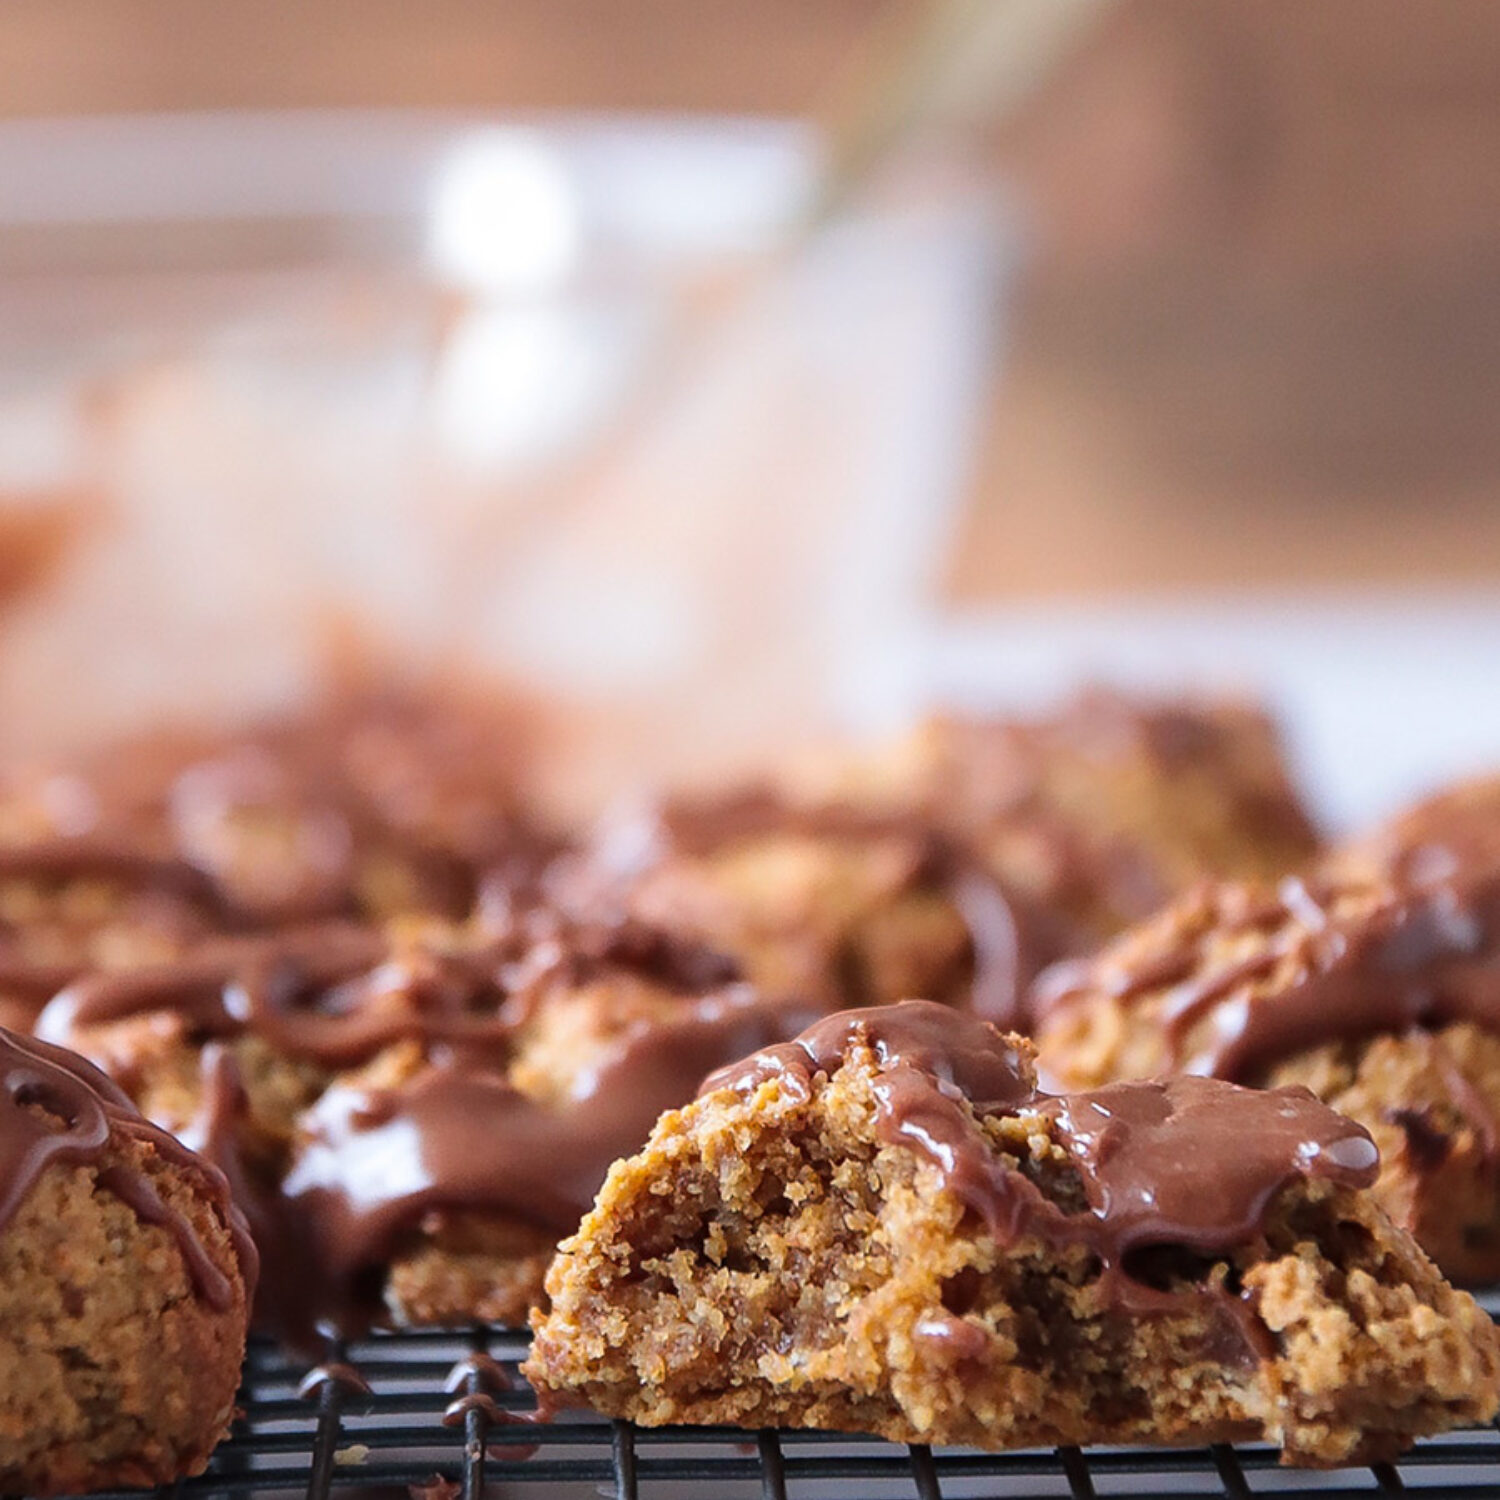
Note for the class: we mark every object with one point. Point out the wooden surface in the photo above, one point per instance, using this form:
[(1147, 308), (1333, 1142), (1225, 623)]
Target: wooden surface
[(1258, 342), (1258, 345), (98, 56)]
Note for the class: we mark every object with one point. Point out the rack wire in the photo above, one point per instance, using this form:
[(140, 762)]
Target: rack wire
[(444, 1416)]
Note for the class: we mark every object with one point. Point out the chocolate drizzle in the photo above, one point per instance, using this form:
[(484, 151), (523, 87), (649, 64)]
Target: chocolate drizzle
[(338, 993), (1188, 1164), (1011, 938), (57, 1109), (371, 1163), (465, 1138), (1100, 808), (226, 986), (374, 803), (1323, 961)]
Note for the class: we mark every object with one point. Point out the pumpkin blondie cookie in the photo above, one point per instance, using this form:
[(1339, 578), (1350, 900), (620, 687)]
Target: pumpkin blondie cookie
[(884, 1227)]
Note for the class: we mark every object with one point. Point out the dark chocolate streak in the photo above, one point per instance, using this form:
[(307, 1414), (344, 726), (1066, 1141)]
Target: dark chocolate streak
[(56, 1108), (1187, 1163), (1010, 937), (1424, 955)]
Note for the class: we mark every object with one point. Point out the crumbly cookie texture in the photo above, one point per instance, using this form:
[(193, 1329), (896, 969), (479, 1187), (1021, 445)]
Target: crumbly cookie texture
[(1374, 983), (120, 1348), (782, 1254), (1431, 1101), (1104, 809)]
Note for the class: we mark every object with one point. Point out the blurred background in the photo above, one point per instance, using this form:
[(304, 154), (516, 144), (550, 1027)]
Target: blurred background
[(724, 376)]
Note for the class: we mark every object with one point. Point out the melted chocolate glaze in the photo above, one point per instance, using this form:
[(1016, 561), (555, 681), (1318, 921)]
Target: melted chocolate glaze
[(301, 819), (292, 1295), (338, 993), (457, 1135), (478, 1371), (1420, 953), (462, 1137), (102, 858), (281, 985), (1189, 1163), (56, 1108), (335, 1373), (1011, 937)]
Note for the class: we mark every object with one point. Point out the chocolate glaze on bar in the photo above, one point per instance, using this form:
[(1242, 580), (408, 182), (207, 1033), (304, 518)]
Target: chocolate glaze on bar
[(338, 993), (376, 802), (457, 1135), (1001, 781), (951, 1055), (56, 1108), (103, 858), (1011, 938), (462, 1137), (1332, 959), (1189, 1163)]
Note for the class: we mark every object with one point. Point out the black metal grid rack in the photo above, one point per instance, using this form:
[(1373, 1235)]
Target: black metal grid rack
[(442, 1415)]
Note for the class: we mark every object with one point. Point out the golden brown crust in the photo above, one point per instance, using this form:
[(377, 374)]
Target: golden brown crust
[(464, 1268), (1120, 1014), (113, 1370), (766, 1261)]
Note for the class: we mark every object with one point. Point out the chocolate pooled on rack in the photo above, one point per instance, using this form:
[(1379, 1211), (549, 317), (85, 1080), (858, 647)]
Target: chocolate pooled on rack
[(884, 1227)]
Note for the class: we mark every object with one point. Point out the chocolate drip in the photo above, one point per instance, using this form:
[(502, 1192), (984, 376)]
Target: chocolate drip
[(478, 1371), (335, 1373), (958, 1056), (457, 1412), (1196, 1162), (56, 1108), (462, 1137), (1011, 938), (291, 1294), (1190, 1163)]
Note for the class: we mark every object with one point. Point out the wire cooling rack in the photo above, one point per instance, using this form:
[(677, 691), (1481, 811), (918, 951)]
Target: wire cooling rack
[(442, 1416)]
